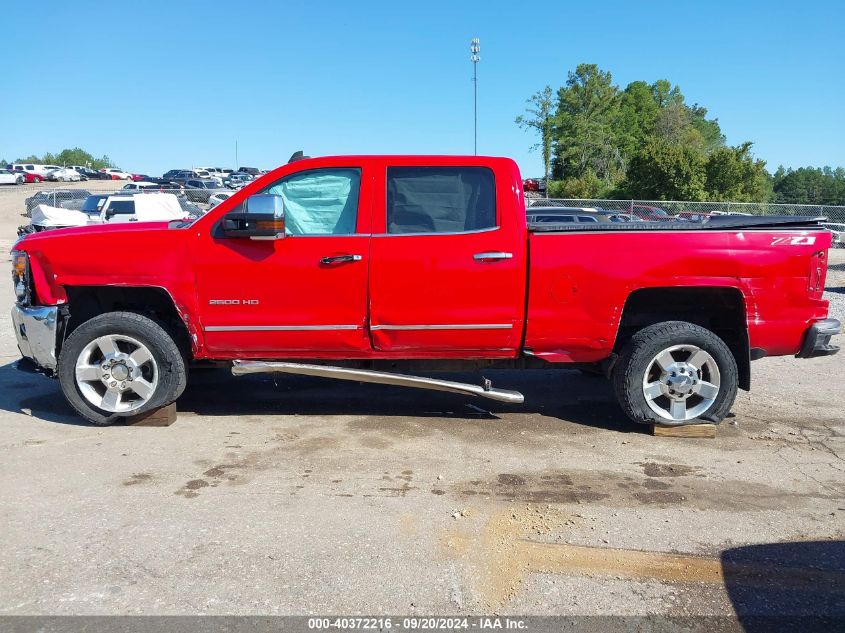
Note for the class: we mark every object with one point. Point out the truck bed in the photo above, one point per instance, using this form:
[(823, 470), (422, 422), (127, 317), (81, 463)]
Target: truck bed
[(582, 276), (716, 223)]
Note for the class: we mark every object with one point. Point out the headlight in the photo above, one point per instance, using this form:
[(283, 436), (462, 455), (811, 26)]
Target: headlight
[(20, 276)]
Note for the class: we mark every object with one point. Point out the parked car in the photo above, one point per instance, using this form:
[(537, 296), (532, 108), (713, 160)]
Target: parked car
[(64, 174), (184, 175), (199, 190), (838, 232), (161, 184), (559, 206), (216, 172), (9, 177), (444, 269), (615, 216), (117, 174), (55, 198), (649, 213), (237, 180), (139, 177), (692, 216), (82, 171), (563, 216), (141, 186), (180, 176), (205, 174), (34, 168), (530, 184), (252, 171), (29, 176), (92, 174), (534, 185), (218, 197)]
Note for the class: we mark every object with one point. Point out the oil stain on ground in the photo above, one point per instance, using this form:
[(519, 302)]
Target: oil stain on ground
[(669, 485), (138, 478)]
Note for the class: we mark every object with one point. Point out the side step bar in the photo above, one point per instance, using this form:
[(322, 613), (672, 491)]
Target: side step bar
[(241, 367)]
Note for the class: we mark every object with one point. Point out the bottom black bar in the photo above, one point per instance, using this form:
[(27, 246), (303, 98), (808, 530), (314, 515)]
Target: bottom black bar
[(524, 624)]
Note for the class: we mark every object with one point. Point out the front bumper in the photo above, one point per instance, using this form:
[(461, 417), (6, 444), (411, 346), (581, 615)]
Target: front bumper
[(36, 328), (817, 339)]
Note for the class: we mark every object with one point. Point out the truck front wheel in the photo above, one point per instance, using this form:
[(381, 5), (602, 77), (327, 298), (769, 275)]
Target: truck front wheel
[(675, 373), (120, 364)]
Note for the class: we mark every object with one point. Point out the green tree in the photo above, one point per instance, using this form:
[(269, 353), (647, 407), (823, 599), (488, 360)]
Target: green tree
[(733, 174), (664, 171), (75, 156), (665, 93), (539, 116), (808, 185), (638, 112), (709, 129), (587, 186), (587, 119)]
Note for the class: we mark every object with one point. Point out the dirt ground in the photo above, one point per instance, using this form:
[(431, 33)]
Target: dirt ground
[(302, 495)]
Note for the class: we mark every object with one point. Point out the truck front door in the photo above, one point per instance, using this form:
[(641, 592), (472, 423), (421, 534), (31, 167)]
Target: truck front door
[(304, 294)]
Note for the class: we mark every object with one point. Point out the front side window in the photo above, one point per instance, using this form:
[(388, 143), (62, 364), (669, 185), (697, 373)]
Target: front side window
[(320, 201), (440, 199)]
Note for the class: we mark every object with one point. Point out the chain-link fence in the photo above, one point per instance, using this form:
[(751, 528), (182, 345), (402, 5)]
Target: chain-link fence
[(72, 196), (656, 210), (197, 200)]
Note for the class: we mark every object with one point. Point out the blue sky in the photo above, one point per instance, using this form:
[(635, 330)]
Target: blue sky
[(161, 85)]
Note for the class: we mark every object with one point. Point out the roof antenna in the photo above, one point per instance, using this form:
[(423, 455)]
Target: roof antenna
[(300, 155)]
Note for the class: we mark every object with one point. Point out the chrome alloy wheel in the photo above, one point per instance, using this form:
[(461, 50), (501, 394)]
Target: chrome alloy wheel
[(116, 373), (681, 383)]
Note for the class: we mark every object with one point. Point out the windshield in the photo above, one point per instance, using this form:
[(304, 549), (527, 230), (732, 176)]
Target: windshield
[(93, 204)]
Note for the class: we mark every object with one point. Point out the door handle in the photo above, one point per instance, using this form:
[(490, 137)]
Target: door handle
[(491, 256), (340, 259)]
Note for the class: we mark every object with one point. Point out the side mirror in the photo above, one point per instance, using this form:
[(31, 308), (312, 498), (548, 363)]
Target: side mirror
[(264, 219)]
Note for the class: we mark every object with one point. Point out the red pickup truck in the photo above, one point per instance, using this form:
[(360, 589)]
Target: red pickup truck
[(377, 268)]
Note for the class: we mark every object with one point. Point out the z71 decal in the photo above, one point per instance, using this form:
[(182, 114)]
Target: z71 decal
[(794, 241)]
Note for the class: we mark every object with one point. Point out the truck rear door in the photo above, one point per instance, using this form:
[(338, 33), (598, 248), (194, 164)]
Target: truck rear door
[(447, 259)]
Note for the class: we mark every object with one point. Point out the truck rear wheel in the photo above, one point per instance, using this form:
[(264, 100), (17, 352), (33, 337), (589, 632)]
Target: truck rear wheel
[(120, 364), (675, 373)]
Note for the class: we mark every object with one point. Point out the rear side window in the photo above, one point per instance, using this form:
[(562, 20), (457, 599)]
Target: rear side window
[(122, 207), (440, 199)]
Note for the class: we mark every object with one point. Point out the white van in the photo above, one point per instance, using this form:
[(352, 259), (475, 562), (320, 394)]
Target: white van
[(34, 168)]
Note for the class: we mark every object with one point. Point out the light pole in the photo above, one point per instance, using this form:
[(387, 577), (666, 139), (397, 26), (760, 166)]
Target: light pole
[(475, 49)]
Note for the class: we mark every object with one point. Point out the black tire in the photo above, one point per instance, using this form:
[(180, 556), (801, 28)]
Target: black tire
[(636, 359), (172, 377)]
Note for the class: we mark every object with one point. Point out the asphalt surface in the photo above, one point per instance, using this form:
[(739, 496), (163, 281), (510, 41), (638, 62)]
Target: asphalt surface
[(302, 495)]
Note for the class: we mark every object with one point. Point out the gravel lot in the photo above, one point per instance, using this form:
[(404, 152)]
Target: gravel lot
[(303, 495)]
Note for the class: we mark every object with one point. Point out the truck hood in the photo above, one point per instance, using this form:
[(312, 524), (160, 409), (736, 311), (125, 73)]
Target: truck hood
[(113, 231), (126, 254)]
